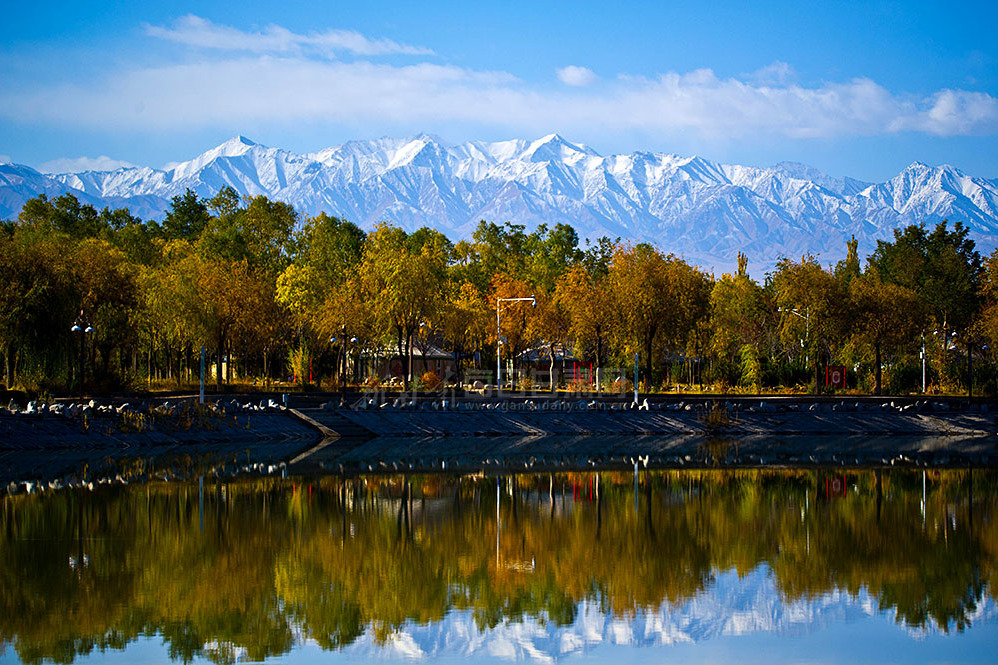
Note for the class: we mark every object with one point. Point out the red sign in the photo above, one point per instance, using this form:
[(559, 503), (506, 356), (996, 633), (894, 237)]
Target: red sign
[(835, 375)]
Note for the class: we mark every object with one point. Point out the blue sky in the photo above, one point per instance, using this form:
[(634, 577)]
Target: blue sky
[(859, 89)]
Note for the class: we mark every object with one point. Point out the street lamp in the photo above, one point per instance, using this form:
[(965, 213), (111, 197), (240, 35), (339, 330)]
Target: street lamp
[(81, 328), (332, 341), (499, 302), (807, 327), (807, 334)]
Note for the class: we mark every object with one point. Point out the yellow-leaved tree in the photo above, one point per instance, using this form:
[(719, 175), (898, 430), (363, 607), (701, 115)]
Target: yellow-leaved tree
[(407, 275)]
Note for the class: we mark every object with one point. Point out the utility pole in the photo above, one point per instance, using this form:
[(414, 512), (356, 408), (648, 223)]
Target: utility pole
[(635, 379), (201, 401), (923, 364)]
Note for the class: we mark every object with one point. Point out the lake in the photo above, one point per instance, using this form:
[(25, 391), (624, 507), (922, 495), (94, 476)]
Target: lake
[(767, 566)]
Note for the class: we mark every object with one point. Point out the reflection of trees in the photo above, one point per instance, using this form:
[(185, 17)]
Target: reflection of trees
[(330, 561), (931, 575)]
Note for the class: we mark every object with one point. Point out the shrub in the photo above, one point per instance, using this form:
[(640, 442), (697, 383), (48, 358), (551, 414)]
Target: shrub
[(621, 386), (430, 381)]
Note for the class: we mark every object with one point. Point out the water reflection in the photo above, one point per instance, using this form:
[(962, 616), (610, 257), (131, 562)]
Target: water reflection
[(256, 568)]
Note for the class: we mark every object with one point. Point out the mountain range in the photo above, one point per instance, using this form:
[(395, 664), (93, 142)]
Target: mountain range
[(703, 210)]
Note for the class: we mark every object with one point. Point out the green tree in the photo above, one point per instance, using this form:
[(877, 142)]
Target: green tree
[(187, 217), (941, 266), (884, 317)]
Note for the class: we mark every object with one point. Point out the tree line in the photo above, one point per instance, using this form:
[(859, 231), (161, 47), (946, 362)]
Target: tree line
[(102, 300)]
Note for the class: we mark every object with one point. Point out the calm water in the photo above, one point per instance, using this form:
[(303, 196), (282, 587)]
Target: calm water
[(701, 566)]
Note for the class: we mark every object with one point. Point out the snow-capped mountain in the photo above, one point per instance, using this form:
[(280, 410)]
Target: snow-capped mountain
[(703, 210)]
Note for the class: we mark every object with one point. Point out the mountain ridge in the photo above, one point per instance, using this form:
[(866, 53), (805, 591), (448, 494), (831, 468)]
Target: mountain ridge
[(704, 210)]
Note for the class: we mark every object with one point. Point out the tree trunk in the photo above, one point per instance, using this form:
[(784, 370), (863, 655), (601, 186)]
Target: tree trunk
[(876, 353), (599, 361), (970, 373), (218, 360), (8, 367), (408, 352), (551, 380), (401, 346), (648, 346)]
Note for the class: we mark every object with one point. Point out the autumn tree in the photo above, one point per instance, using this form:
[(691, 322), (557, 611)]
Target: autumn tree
[(657, 299), (109, 299), (408, 274), (39, 298), (812, 306), (514, 330), (465, 321), (584, 297), (549, 326), (738, 316)]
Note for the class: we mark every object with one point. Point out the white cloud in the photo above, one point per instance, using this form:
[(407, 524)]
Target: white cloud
[(778, 73), (196, 31), (274, 79), (81, 164), (576, 76), (953, 113)]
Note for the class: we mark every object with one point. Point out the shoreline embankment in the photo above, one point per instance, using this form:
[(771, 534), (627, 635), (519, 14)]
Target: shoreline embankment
[(470, 435)]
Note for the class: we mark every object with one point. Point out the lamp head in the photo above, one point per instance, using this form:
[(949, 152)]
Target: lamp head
[(76, 328), (88, 329)]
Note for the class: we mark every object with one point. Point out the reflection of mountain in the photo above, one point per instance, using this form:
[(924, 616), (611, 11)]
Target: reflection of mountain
[(733, 605), (378, 564)]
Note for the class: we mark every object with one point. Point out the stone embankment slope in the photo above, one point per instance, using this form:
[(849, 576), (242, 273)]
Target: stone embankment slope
[(472, 436), (59, 440), (54, 441), (429, 419)]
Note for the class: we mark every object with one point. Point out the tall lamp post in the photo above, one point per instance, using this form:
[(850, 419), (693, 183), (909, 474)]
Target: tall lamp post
[(807, 333), (336, 361), (342, 360), (81, 328), (353, 359), (499, 302)]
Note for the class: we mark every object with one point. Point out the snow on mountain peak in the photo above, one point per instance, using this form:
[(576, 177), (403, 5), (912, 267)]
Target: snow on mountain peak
[(691, 206), (552, 148), (237, 144)]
